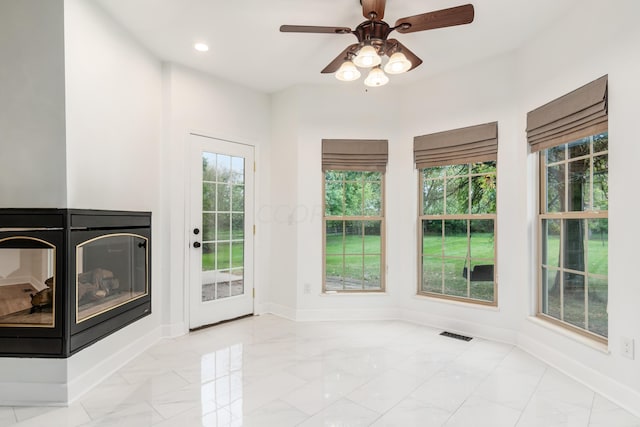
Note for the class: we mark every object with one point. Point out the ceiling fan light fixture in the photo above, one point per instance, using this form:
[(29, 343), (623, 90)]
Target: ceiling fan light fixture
[(398, 63), (367, 57), (376, 78), (347, 72)]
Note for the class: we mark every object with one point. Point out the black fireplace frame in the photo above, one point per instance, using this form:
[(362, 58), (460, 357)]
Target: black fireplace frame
[(65, 229)]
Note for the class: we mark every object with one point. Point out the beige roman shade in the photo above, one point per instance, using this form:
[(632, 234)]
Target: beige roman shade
[(576, 115), (454, 147), (355, 154)]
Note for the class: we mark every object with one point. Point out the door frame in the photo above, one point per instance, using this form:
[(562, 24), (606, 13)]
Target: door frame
[(187, 236)]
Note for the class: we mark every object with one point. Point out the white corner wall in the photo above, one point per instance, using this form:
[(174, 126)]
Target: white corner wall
[(196, 102), (111, 99), (591, 41), (32, 123)]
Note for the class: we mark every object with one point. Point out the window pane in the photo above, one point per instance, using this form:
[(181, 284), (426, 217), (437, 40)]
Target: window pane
[(353, 240), (454, 282), (237, 254), (600, 142), (551, 292), (579, 148), (432, 274), (579, 185), (574, 307), (372, 198), (372, 176), (598, 249), (433, 197), (455, 238), (237, 227), (237, 170), (457, 196), (551, 242), (208, 167), (555, 154), (574, 253), (208, 196), (224, 198), (555, 188), (353, 198), (223, 168), (456, 170), (334, 242), (353, 272), (352, 175), (208, 226), (598, 298), (208, 256), (483, 194), (482, 276), (485, 167), (223, 227), (601, 183), (237, 198), (434, 172), (482, 239), (372, 240), (372, 272), (432, 237), (223, 257), (333, 272), (334, 196), (334, 175)]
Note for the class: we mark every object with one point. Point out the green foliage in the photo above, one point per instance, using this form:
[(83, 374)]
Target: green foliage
[(353, 193)]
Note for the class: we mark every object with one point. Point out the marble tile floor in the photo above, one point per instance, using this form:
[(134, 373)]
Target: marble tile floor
[(269, 371)]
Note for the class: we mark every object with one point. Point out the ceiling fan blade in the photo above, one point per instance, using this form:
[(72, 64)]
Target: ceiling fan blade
[(314, 29), (337, 62), (438, 19), (373, 9), (394, 46)]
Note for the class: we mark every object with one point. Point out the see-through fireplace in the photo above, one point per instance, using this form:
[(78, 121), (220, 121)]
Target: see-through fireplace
[(68, 278)]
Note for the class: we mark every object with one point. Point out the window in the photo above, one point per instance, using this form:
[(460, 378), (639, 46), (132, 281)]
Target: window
[(573, 224), (354, 226), (353, 222), (458, 214), (571, 137)]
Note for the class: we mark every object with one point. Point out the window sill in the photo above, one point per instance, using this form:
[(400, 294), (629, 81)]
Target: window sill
[(574, 336), (334, 293), (453, 302)]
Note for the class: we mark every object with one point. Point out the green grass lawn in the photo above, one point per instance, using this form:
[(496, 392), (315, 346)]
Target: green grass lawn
[(227, 256), (359, 268)]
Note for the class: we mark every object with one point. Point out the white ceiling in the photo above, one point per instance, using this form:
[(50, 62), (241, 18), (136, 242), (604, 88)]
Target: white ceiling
[(246, 46)]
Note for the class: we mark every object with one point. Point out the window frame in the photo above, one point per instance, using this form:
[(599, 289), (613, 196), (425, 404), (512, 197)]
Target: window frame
[(467, 217), (381, 218), (543, 215)]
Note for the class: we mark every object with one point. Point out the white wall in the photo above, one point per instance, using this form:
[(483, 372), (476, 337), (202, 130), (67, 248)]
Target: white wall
[(32, 123), (195, 102), (594, 40)]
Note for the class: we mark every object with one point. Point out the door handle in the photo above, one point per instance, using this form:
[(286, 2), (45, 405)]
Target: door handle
[(196, 245)]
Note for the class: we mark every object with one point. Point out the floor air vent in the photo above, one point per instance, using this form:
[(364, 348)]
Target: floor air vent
[(456, 336)]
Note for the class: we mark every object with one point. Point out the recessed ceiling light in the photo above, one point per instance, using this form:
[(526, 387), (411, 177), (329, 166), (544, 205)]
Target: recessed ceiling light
[(201, 47)]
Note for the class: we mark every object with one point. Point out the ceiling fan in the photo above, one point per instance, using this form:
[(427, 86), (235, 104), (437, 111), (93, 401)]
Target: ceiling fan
[(373, 41)]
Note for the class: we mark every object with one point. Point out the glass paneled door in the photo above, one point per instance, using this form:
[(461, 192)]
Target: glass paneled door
[(221, 232)]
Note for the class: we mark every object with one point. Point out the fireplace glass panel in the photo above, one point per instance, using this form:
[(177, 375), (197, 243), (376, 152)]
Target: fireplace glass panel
[(112, 270), (27, 282)]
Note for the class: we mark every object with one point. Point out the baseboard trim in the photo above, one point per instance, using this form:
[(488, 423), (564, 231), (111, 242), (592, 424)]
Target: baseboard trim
[(618, 393), (89, 378), (458, 326)]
